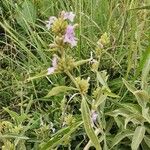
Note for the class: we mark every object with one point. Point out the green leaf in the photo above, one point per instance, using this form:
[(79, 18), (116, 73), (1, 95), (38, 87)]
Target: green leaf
[(137, 137), (88, 124), (59, 89), (147, 141), (133, 108), (110, 94), (145, 68), (39, 75), (16, 117), (102, 78), (100, 100), (146, 114), (120, 136), (135, 119), (14, 136), (142, 97), (60, 136), (29, 11), (120, 111), (129, 86), (81, 62)]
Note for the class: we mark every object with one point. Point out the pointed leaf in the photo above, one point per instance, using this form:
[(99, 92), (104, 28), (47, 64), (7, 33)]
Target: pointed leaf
[(137, 137), (129, 87), (100, 100), (142, 97), (110, 94), (146, 67), (39, 75), (60, 136), (16, 117), (81, 62), (5, 136), (102, 78), (147, 140), (88, 124), (59, 89), (146, 114), (120, 136)]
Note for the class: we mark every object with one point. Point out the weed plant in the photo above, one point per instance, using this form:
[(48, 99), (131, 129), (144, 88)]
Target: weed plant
[(74, 75)]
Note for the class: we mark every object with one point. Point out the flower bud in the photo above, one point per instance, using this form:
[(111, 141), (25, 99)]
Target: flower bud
[(104, 40), (94, 65), (59, 41), (83, 85), (53, 45), (69, 119), (59, 26), (66, 63)]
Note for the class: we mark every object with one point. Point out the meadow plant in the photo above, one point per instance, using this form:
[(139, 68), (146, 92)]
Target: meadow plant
[(63, 28), (62, 98), (92, 99)]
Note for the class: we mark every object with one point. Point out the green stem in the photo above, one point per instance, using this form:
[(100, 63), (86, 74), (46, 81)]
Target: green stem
[(99, 59), (81, 62), (72, 79)]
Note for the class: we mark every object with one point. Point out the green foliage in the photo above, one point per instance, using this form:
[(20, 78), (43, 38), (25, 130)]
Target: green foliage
[(137, 137), (59, 89), (60, 137), (88, 124), (97, 102)]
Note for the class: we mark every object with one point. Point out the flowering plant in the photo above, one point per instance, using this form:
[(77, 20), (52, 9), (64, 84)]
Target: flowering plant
[(59, 77), (64, 39)]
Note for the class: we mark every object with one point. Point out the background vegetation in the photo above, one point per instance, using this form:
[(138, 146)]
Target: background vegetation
[(28, 120)]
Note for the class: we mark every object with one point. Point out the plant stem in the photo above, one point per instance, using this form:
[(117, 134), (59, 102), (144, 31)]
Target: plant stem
[(72, 79)]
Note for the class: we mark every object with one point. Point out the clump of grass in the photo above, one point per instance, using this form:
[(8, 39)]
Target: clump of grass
[(61, 107)]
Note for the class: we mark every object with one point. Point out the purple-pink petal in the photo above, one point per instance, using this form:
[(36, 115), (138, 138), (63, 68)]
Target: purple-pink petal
[(50, 70), (69, 15), (70, 36), (51, 20), (94, 116), (54, 62), (54, 66)]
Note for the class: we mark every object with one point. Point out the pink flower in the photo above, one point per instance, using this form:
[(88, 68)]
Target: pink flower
[(69, 15), (70, 36), (94, 116), (49, 23), (54, 66)]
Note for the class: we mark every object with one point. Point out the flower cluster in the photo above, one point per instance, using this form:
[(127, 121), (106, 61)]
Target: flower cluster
[(101, 43), (62, 27), (64, 38), (83, 85)]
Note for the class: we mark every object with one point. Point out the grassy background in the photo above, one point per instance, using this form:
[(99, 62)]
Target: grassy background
[(24, 52)]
